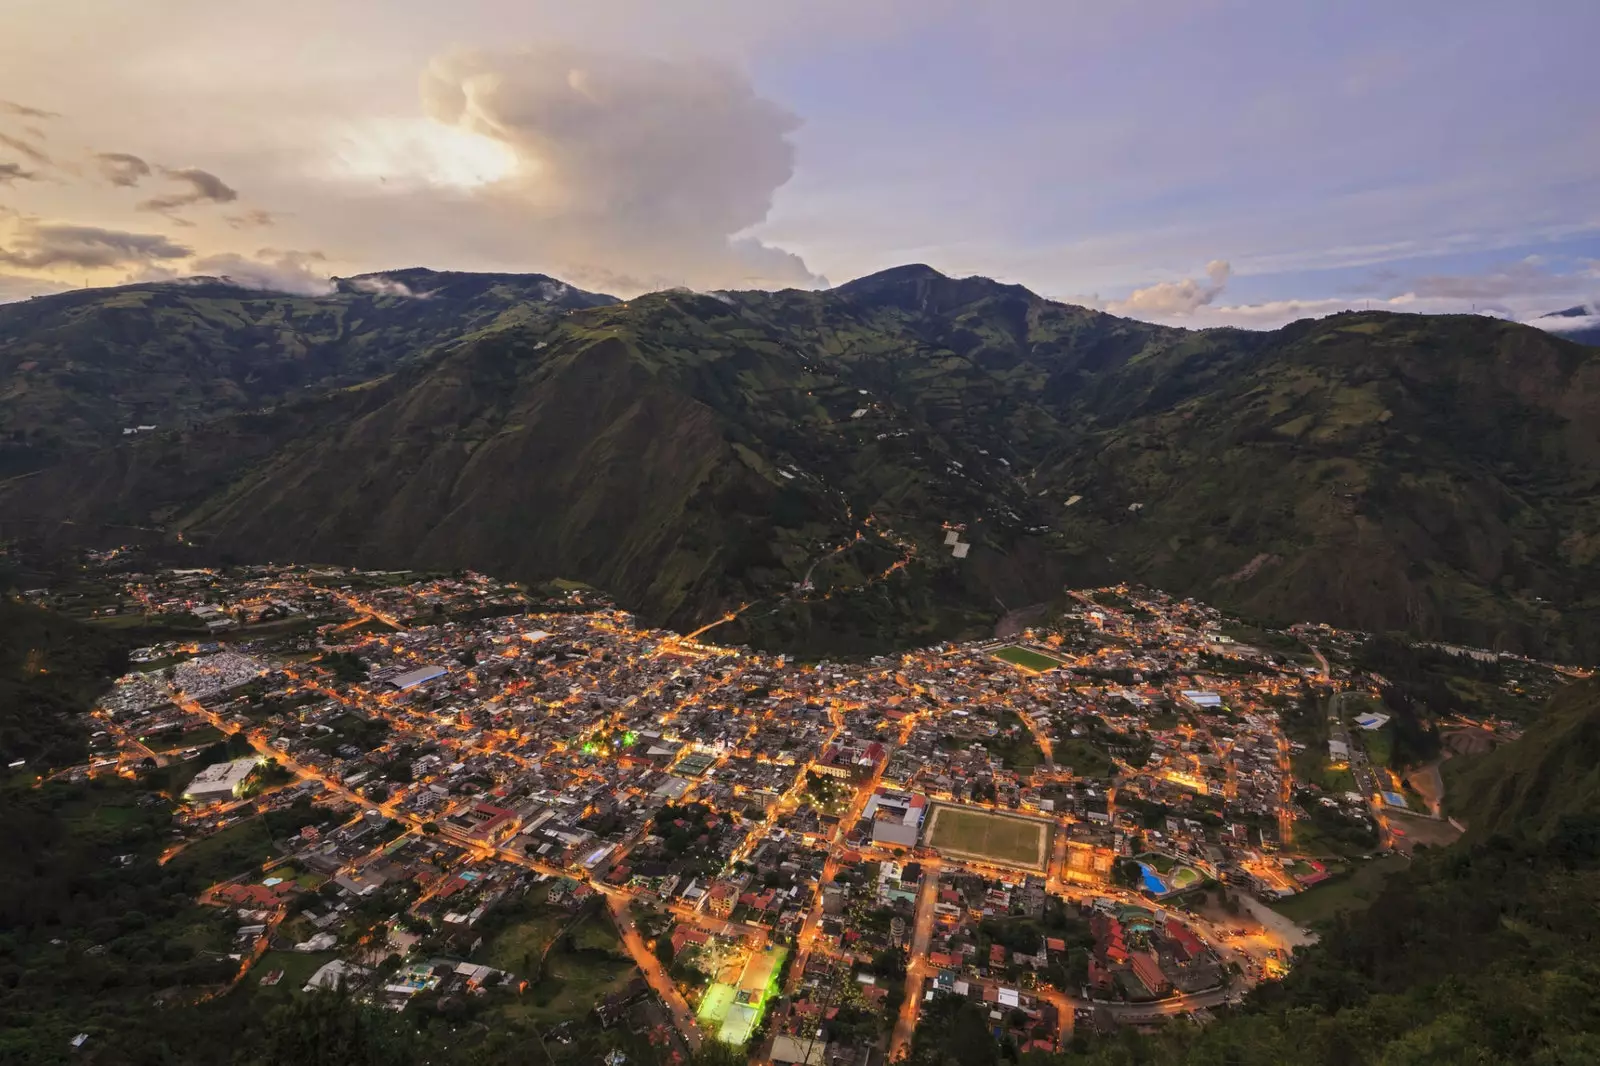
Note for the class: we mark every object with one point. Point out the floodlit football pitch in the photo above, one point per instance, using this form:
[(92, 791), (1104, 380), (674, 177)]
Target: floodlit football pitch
[(988, 836), (1027, 659)]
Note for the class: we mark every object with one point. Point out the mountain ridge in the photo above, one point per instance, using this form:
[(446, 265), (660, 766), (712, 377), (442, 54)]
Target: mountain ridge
[(695, 452)]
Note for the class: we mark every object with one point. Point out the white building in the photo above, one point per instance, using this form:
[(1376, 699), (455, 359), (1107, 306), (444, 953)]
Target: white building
[(221, 782)]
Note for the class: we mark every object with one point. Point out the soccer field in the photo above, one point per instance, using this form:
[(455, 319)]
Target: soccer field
[(1028, 660), (1001, 838)]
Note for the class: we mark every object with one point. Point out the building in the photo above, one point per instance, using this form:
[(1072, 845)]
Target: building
[(220, 782), (896, 817), (413, 678)]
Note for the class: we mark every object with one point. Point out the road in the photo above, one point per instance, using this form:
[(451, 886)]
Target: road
[(918, 970), (653, 971)]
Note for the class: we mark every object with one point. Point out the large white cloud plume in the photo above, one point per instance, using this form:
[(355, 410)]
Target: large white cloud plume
[(631, 170), (1175, 297)]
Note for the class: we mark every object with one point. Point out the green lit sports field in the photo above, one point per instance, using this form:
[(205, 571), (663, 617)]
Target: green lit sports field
[(965, 832), (1028, 660)]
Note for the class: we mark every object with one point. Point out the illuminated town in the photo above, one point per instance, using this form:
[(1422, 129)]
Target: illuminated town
[(1073, 827)]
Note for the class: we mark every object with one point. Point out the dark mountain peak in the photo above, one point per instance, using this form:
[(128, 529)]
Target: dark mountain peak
[(1580, 311), (919, 287), (901, 275)]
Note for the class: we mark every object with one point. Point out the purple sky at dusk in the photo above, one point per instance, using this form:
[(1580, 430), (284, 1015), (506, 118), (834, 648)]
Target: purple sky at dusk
[(1203, 162)]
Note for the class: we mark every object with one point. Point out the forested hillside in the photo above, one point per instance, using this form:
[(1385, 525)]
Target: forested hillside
[(695, 453)]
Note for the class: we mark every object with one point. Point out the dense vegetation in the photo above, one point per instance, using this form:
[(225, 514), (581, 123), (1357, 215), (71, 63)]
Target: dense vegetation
[(50, 668)]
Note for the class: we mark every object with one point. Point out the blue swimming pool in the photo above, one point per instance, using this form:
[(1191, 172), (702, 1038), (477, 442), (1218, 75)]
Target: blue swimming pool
[(1152, 880)]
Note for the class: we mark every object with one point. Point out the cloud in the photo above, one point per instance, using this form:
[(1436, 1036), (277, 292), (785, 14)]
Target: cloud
[(10, 107), (1526, 277), (380, 285), (1587, 319), (1176, 297), (13, 172), (252, 219), (204, 187), (121, 168), (627, 165), (28, 151), (270, 270), (38, 246)]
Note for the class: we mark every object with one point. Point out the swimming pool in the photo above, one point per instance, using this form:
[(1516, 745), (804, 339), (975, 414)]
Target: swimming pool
[(1152, 880)]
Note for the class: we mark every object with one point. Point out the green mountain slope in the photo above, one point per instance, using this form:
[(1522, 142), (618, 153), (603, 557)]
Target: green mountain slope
[(78, 368), (1530, 785), (694, 453), (1434, 474)]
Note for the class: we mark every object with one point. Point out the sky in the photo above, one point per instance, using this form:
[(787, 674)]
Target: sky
[(1198, 162)]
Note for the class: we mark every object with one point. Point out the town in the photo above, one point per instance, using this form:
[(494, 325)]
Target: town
[(453, 788)]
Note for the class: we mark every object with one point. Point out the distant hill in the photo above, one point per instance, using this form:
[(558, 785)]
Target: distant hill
[(1580, 324), (695, 452)]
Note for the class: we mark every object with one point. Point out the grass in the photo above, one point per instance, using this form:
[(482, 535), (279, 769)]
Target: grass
[(1353, 892), (512, 947), (235, 850), (575, 980), (1183, 878), (1015, 745), (1279, 643), (1085, 759), (997, 837), (297, 969), (1379, 744), (1028, 660), (197, 737), (1162, 864)]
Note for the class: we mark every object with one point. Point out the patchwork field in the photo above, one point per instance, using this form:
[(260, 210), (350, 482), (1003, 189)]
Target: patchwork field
[(1003, 838), (1027, 659)]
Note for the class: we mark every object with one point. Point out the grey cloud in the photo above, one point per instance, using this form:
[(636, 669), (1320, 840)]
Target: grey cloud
[(204, 187), (1176, 297), (13, 172), (38, 246), (28, 151), (121, 168), (1525, 277), (271, 270), (251, 219), (627, 164), (380, 285), (11, 107)]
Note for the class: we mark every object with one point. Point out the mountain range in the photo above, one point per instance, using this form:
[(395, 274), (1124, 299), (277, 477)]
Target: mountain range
[(812, 462)]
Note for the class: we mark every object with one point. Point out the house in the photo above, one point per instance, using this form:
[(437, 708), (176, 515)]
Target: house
[(333, 974)]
